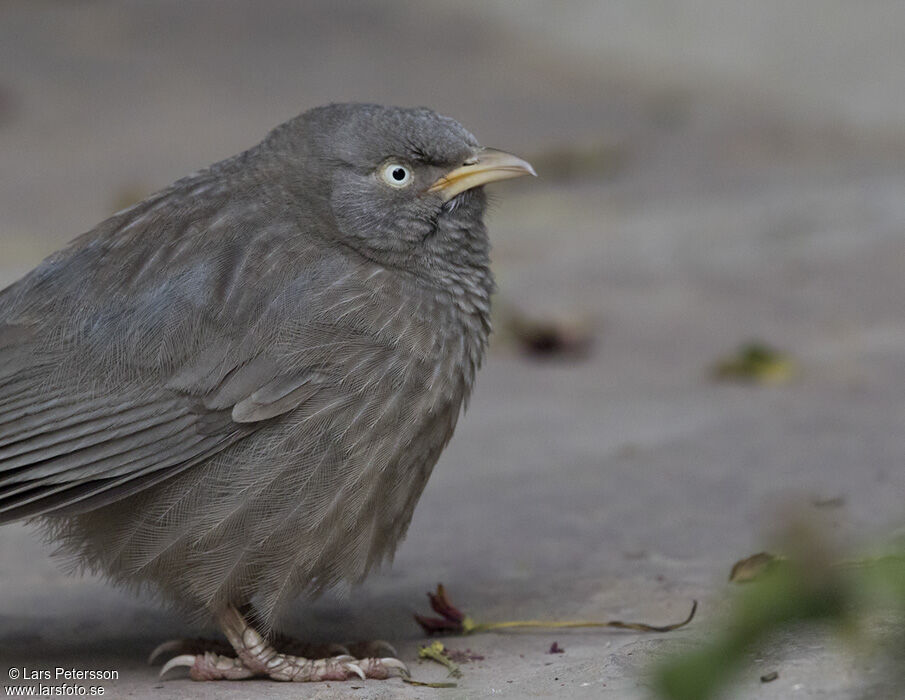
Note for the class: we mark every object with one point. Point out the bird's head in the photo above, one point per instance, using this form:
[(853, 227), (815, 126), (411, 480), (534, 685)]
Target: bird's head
[(402, 186)]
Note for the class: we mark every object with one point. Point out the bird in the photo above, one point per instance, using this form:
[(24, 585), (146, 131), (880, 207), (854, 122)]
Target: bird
[(232, 393)]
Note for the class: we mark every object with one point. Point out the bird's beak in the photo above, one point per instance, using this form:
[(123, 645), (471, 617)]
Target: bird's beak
[(487, 165)]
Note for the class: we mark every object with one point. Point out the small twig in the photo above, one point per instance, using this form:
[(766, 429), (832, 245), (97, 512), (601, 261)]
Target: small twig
[(613, 624), (424, 684), (454, 621)]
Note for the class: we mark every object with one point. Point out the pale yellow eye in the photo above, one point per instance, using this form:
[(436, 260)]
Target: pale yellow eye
[(396, 175)]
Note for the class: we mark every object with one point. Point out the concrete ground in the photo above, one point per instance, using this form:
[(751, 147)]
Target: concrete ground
[(702, 183)]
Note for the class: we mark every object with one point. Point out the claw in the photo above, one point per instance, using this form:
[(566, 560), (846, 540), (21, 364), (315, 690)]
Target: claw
[(356, 669), (189, 646), (187, 660), (395, 664), (160, 649)]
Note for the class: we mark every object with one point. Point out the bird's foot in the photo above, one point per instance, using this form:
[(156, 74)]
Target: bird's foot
[(249, 655), (287, 645), (210, 666), (207, 665)]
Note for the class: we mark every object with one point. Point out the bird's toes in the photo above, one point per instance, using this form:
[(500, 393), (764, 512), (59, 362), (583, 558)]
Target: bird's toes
[(354, 668), (383, 668), (208, 667)]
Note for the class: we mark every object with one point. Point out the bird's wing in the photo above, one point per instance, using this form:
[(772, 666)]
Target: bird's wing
[(112, 380), (67, 448)]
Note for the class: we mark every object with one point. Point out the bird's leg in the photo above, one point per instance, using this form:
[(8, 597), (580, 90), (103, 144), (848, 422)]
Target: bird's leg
[(256, 657)]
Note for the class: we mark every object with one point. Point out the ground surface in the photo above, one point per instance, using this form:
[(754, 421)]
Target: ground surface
[(702, 183)]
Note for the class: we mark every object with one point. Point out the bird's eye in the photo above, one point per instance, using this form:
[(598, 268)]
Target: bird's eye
[(396, 175)]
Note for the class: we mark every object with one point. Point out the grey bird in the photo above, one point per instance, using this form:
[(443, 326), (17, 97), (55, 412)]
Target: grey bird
[(233, 393)]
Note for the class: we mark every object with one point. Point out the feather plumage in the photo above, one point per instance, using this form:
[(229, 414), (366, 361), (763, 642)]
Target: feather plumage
[(236, 390)]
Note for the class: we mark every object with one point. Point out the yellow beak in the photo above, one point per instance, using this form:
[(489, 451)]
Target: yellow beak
[(487, 165)]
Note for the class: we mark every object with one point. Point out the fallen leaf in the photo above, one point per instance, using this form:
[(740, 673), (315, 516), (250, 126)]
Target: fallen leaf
[(435, 651), (756, 363), (748, 569), (544, 337)]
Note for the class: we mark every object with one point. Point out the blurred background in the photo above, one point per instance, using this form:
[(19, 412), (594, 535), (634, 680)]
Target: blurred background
[(699, 322)]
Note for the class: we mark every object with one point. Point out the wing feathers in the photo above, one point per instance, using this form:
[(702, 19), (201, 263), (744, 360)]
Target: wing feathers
[(86, 494), (65, 447), (276, 397), (71, 428), (83, 451), (99, 466)]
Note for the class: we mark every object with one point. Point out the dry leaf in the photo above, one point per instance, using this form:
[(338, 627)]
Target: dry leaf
[(756, 363), (748, 569), (548, 337)]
